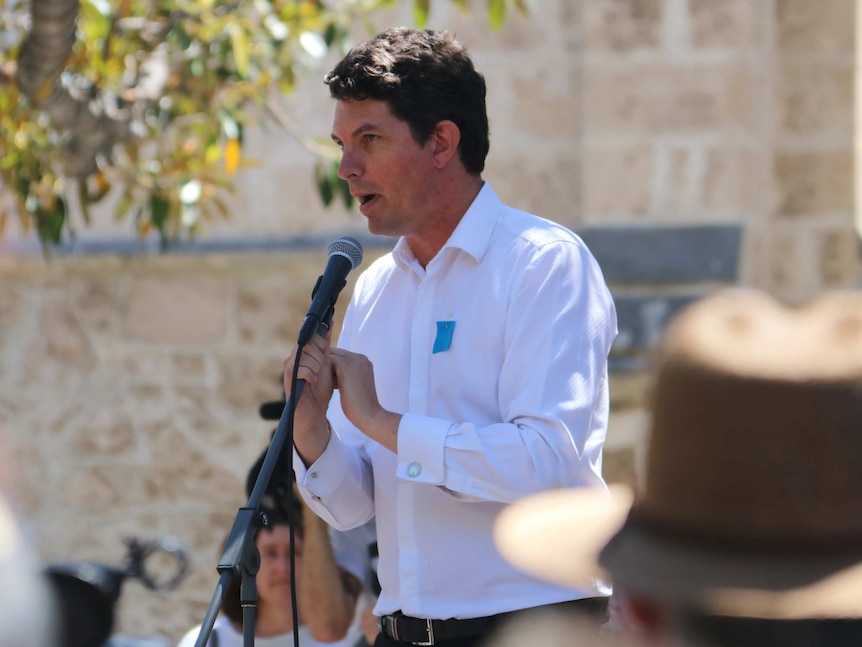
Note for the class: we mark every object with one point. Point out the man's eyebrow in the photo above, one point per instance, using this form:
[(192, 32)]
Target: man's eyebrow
[(360, 130)]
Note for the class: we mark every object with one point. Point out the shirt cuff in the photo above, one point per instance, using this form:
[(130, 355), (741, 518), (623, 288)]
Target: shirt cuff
[(324, 475), (421, 449)]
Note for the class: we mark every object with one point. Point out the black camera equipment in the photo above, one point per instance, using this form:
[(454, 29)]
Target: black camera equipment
[(87, 592)]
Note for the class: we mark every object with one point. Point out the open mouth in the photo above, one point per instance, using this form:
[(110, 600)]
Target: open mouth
[(365, 198)]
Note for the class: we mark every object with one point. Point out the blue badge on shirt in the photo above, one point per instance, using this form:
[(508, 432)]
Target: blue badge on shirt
[(444, 336)]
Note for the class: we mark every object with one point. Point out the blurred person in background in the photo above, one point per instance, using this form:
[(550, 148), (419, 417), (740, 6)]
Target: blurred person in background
[(273, 617), (330, 571), (28, 607), (749, 530), (339, 578)]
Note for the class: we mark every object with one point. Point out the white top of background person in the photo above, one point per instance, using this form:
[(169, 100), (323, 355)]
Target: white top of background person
[(29, 609), (273, 615), (471, 369)]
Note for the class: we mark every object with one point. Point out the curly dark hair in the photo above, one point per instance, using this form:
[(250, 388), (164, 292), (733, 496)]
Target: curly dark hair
[(426, 77)]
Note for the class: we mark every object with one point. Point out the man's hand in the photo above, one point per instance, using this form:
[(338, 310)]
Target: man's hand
[(354, 376), (310, 428)]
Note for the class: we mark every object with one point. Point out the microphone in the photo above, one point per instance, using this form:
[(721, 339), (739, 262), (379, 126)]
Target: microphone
[(345, 254)]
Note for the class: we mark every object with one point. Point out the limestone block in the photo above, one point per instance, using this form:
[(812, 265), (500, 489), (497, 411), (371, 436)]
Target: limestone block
[(270, 308), (164, 311), (518, 35), (661, 98), (188, 366), (677, 181), (10, 305), (97, 298), (815, 98), (548, 104), (97, 488), (816, 27), (20, 459), (58, 348), (617, 180), (784, 255), (730, 180), (732, 24), (622, 25), (107, 432), (185, 473), (811, 257), (815, 182), (838, 254), (244, 382), (142, 365), (557, 174)]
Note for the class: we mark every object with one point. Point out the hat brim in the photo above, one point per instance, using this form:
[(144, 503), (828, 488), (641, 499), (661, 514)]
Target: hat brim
[(557, 535), (574, 536), (733, 582)]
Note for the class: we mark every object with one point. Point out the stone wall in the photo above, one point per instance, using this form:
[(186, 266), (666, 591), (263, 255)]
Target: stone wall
[(129, 397), (130, 382)]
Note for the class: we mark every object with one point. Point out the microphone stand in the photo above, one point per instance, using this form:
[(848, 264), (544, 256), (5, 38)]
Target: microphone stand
[(241, 556)]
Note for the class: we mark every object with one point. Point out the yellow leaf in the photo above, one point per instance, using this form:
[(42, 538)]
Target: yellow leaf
[(239, 44), (231, 156), (212, 153)]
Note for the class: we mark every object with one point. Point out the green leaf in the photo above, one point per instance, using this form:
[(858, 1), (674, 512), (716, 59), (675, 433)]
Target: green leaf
[(239, 43), (50, 223), (330, 34), (95, 24), (421, 9), (84, 199), (159, 209), (123, 207), (496, 13)]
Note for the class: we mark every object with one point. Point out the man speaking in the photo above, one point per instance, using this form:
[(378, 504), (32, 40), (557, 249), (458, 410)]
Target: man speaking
[(472, 365)]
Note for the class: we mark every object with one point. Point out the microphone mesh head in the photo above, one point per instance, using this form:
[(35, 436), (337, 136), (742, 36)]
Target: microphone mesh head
[(348, 247)]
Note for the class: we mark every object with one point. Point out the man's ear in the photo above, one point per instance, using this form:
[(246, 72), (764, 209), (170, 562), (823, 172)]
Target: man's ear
[(444, 141)]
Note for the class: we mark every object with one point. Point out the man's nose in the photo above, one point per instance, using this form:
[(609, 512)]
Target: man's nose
[(349, 166)]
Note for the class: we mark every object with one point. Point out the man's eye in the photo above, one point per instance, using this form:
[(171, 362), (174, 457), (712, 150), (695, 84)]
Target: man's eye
[(370, 138)]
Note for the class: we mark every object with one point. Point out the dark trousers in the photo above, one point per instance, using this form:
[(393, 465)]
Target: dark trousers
[(594, 609), (385, 641)]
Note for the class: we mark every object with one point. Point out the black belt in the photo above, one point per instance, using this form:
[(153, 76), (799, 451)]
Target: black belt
[(423, 631)]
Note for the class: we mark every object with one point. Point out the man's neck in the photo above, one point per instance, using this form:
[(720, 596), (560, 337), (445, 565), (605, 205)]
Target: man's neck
[(455, 201)]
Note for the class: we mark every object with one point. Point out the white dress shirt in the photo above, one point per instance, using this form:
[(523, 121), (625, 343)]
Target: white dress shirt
[(496, 354)]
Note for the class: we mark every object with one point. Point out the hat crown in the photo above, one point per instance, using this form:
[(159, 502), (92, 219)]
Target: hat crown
[(757, 423)]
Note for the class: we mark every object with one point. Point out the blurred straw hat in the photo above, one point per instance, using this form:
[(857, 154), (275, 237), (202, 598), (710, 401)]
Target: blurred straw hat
[(752, 504)]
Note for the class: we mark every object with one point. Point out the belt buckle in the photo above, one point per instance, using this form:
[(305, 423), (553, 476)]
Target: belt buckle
[(389, 625), (429, 628)]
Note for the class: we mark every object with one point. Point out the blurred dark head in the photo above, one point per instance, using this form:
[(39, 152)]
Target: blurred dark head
[(87, 594), (275, 517), (279, 493), (281, 481)]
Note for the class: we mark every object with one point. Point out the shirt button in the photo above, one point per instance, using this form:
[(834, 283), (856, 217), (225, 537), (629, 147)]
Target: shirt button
[(315, 497), (414, 470), (314, 475)]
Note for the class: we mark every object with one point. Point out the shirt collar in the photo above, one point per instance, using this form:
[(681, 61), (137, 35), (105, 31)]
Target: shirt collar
[(473, 233)]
